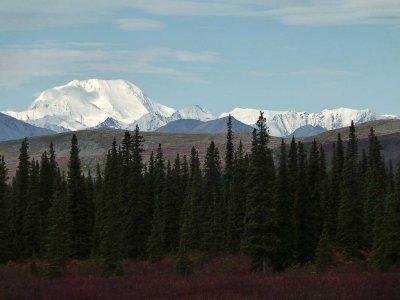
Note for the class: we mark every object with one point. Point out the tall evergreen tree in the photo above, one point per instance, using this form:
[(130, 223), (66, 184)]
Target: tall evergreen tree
[(305, 238), (391, 233), (333, 197), (193, 210), (31, 230), (48, 182), (156, 241), (376, 190), (214, 238), (350, 220), (259, 238), (285, 213), (98, 210), (21, 197), (57, 250), (172, 206), (237, 206), (111, 234), (314, 197), (139, 211), (80, 230), (5, 216)]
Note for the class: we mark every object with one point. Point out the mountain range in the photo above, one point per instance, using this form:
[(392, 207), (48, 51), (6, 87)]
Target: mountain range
[(197, 126), (119, 104)]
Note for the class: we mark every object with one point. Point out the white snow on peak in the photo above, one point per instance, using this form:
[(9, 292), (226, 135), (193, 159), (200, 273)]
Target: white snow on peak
[(196, 112), (283, 123), (84, 104)]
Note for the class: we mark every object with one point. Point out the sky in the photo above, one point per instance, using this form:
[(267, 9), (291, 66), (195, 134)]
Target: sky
[(304, 55)]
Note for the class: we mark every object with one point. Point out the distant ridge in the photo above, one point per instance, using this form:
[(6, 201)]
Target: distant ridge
[(213, 126), (12, 129), (307, 130)]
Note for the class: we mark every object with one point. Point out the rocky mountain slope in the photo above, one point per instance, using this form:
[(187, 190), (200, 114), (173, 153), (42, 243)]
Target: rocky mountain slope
[(12, 129)]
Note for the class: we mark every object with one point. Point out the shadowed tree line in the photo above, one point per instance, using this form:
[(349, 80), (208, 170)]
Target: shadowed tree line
[(281, 210)]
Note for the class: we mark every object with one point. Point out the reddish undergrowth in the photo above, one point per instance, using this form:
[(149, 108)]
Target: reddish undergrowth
[(223, 278)]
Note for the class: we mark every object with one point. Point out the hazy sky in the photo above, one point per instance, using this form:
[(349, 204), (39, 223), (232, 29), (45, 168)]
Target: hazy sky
[(271, 54)]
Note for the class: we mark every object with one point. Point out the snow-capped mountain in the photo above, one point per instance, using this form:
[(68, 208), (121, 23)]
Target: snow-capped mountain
[(284, 123), (94, 103), (195, 112)]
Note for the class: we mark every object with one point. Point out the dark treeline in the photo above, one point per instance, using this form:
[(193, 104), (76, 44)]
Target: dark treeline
[(281, 211)]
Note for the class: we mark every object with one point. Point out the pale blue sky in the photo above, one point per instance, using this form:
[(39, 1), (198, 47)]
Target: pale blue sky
[(282, 55)]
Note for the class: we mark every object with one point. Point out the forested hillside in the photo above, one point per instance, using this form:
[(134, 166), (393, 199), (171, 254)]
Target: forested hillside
[(294, 209)]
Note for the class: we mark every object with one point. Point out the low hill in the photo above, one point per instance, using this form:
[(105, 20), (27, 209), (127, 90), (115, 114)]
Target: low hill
[(94, 144)]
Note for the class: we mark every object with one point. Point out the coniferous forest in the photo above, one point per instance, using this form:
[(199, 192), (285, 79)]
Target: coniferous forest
[(284, 209)]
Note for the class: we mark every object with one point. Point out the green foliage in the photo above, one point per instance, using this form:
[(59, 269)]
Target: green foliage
[(58, 241), (285, 213), (21, 197), (297, 214), (237, 201), (214, 238), (111, 229), (260, 240), (31, 230), (5, 215), (350, 216), (80, 229), (156, 242)]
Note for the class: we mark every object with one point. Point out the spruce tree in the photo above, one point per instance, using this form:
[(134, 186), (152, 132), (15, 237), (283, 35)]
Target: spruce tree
[(315, 196), (156, 241), (193, 208), (305, 238), (98, 210), (237, 206), (5, 216), (21, 188), (391, 233), (333, 197), (228, 181), (292, 171), (80, 231), (48, 181), (173, 195), (376, 190), (350, 218), (259, 240), (284, 212), (214, 238), (57, 250), (31, 230), (141, 214), (183, 263), (111, 234)]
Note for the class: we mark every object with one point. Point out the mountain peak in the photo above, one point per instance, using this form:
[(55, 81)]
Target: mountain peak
[(84, 104), (195, 112)]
